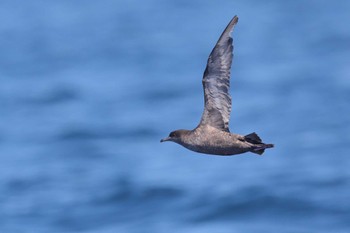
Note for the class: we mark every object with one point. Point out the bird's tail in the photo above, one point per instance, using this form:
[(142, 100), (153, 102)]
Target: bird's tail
[(259, 145)]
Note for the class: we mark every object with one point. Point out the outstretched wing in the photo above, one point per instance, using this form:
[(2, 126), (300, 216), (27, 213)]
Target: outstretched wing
[(216, 82)]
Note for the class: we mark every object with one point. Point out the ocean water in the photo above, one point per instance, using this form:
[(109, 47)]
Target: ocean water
[(88, 88)]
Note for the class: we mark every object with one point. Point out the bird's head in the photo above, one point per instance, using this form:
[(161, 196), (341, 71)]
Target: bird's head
[(175, 136)]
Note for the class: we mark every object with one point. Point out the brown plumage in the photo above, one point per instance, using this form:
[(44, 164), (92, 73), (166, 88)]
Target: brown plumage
[(212, 135)]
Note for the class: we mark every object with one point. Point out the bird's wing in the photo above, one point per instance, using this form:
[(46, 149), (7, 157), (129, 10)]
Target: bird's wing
[(216, 82)]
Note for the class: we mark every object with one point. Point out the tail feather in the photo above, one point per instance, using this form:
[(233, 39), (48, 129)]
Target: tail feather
[(259, 152), (260, 146), (260, 149), (253, 138)]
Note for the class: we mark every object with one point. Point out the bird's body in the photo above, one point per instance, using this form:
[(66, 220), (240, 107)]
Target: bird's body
[(212, 135), (209, 140)]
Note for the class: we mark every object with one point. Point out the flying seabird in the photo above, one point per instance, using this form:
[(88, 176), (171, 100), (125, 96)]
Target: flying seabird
[(212, 135)]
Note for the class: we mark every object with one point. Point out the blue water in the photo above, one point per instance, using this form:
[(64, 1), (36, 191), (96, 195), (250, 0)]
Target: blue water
[(88, 88)]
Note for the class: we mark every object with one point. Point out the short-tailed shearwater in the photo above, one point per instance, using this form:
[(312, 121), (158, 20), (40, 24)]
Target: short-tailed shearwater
[(212, 135)]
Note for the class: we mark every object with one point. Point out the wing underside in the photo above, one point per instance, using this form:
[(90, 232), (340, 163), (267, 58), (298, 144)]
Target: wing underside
[(216, 82)]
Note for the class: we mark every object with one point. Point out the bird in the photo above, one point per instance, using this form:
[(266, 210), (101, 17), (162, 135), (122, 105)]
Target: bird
[(212, 135)]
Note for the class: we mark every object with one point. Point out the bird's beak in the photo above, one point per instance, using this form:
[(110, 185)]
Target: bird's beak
[(165, 139)]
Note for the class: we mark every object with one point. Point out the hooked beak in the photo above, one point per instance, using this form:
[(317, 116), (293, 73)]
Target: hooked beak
[(165, 139)]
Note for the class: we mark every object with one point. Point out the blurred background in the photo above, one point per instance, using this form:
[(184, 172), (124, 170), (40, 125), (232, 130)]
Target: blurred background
[(88, 88)]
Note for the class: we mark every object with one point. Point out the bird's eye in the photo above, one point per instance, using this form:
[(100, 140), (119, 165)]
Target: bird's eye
[(172, 134)]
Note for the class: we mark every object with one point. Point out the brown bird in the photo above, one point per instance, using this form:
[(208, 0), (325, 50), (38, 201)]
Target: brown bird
[(212, 135)]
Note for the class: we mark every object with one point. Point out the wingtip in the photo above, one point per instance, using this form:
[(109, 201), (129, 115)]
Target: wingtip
[(235, 19), (231, 25)]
